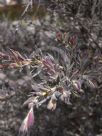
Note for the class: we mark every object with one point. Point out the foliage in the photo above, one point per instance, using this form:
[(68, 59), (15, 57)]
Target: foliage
[(53, 80)]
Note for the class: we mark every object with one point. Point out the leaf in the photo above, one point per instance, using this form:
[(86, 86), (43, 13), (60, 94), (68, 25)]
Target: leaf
[(31, 100), (76, 84), (91, 84), (16, 56)]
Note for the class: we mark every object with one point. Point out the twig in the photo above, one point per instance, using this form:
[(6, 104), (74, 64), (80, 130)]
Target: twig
[(30, 3), (26, 9)]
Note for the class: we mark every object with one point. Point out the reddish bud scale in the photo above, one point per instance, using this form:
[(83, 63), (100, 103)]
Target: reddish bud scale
[(59, 36), (72, 40), (2, 55), (4, 66), (49, 66), (13, 65)]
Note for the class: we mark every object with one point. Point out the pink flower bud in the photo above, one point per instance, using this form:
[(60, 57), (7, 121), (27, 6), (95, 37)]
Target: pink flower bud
[(28, 122)]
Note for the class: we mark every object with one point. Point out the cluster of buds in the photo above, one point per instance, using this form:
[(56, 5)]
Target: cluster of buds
[(66, 38), (47, 68)]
